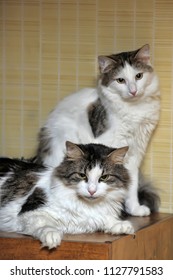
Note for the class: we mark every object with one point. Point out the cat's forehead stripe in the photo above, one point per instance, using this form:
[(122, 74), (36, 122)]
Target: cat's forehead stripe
[(128, 71), (95, 172)]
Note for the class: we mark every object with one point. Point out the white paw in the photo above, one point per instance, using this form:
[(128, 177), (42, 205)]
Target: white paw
[(138, 210), (49, 237), (122, 227)]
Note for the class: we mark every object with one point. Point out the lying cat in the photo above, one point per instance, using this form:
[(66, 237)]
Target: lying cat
[(85, 193), (122, 111)]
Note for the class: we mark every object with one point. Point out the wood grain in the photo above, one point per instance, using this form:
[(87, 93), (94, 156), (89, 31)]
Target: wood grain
[(153, 240)]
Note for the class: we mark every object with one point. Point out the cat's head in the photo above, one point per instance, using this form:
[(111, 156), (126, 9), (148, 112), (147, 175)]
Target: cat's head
[(128, 74), (94, 171)]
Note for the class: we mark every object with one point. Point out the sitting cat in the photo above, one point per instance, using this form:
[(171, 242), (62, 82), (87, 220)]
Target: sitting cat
[(122, 111), (85, 193)]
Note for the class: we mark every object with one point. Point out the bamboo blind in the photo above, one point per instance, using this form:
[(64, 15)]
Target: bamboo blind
[(49, 49)]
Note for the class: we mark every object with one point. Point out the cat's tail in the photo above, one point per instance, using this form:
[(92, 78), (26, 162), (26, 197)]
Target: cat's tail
[(147, 194)]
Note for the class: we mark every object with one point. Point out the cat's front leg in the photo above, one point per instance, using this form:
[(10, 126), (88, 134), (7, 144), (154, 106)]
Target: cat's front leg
[(119, 227), (42, 226), (131, 202), (49, 236), (136, 209)]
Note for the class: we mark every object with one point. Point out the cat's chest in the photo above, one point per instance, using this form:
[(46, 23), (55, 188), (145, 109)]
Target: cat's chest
[(74, 217), (120, 126), (119, 130)]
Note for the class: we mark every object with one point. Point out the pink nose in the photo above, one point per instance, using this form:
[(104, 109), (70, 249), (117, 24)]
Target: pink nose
[(91, 191), (133, 92)]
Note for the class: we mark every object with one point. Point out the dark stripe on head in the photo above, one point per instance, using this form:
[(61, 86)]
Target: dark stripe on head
[(72, 170), (118, 62)]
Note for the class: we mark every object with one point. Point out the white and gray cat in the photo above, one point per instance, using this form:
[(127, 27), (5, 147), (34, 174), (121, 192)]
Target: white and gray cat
[(84, 194), (122, 111)]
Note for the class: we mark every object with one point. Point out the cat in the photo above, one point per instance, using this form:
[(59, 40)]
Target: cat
[(122, 111), (85, 193)]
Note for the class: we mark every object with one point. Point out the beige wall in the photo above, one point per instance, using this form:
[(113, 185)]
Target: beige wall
[(49, 48)]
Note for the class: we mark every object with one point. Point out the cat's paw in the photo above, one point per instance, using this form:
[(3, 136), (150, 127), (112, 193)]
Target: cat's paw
[(49, 237), (138, 210), (122, 227)]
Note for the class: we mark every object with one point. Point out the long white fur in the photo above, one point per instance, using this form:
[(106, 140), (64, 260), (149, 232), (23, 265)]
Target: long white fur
[(66, 212), (131, 123)]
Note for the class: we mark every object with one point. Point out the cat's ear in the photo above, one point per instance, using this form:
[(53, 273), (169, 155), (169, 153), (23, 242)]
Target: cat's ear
[(117, 156), (73, 152), (105, 64), (143, 54)]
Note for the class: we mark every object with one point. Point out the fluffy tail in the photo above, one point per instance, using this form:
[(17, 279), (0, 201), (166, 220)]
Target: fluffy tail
[(148, 194)]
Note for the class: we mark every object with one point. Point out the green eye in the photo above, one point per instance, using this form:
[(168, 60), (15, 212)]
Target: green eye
[(104, 178), (120, 81), (82, 176), (139, 76)]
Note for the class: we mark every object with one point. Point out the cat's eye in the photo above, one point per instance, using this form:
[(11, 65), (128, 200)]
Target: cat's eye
[(104, 178), (82, 176), (120, 81), (139, 76)]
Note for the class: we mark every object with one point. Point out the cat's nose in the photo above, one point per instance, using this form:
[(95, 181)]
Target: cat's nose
[(92, 190), (133, 92), (132, 89)]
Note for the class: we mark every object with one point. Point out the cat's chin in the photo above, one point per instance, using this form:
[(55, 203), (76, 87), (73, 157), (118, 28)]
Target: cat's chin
[(90, 198), (133, 98)]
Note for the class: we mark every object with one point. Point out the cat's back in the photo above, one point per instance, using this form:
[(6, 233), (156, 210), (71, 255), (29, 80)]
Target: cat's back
[(21, 189), (17, 166), (70, 105)]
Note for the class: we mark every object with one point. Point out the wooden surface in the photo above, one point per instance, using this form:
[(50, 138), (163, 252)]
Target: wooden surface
[(153, 240)]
